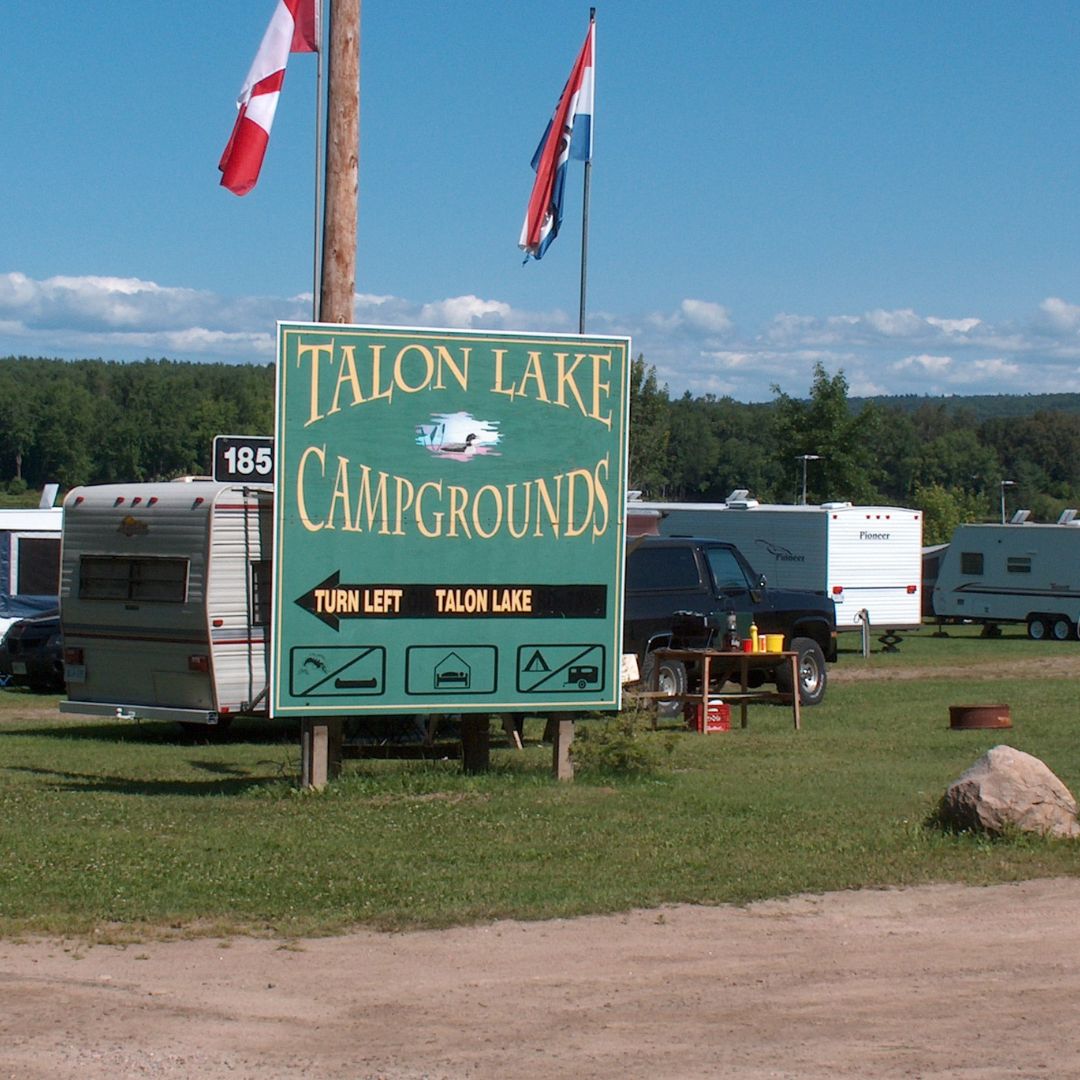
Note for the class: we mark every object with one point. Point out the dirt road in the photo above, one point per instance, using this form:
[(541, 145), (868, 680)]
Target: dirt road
[(942, 981)]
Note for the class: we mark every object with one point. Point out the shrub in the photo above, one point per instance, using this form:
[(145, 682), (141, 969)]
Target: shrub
[(623, 743)]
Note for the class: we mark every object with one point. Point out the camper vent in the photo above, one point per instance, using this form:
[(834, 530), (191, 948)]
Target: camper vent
[(1068, 517), (836, 506), (1020, 517), (739, 500)]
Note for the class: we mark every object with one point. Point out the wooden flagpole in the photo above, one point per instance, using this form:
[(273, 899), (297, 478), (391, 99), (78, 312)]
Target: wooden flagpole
[(338, 284), (316, 231)]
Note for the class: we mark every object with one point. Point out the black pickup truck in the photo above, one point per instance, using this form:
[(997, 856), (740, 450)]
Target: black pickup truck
[(675, 582)]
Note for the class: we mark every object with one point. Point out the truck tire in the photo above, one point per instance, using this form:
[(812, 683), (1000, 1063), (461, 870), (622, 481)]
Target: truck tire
[(671, 679), (813, 675)]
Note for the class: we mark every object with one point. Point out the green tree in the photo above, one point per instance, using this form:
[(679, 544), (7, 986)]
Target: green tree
[(845, 442), (693, 449), (650, 431), (945, 508), (958, 460)]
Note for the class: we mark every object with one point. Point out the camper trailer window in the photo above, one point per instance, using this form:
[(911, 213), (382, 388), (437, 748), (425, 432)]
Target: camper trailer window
[(971, 562), (662, 568), (1018, 564), (260, 593), (38, 560), (106, 578)]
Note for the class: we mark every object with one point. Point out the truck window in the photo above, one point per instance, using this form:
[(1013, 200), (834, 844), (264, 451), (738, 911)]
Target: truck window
[(971, 562), (105, 577), (662, 568), (726, 569)]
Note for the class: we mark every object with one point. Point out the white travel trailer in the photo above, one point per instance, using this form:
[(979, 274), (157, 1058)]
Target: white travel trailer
[(165, 600), (1020, 572), (867, 558), (29, 560)]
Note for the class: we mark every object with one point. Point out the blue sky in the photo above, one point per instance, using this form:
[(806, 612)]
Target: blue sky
[(887, 189)]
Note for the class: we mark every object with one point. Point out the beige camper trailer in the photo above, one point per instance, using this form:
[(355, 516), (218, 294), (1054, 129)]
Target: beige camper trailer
[(165, 600)]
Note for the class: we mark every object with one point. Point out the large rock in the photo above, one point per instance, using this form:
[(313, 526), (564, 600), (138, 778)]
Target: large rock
[(1008, 788)]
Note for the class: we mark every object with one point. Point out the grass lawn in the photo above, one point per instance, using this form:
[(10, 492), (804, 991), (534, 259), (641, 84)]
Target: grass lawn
[(125, 828)]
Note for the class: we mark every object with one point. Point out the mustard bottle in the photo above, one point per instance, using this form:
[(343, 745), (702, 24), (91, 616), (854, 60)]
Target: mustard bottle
[(755, 643)]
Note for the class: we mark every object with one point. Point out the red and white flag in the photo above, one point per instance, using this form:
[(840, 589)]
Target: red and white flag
[(293, 28)]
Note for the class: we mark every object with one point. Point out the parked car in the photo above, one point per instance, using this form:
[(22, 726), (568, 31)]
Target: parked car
[(693, 581), (32, 654)]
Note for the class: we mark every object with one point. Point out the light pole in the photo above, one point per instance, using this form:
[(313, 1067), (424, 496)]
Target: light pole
[(1004, 485), (804, 458)]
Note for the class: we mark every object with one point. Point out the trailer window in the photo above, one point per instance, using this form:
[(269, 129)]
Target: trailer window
[(971, 562), (103, 577), (260, 593), (1018, 564), (38, 561)]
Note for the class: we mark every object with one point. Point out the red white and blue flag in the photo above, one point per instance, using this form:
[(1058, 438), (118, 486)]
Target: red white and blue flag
[(569, 135), (294, 27)]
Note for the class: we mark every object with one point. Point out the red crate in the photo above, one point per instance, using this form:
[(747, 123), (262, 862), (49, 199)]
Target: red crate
[(718, 718)]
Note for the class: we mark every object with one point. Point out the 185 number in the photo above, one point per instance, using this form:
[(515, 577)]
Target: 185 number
[(249, 460)]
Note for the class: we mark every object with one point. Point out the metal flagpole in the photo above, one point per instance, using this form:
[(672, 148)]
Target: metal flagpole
[(585, 206), (584, 249), (319, 97)]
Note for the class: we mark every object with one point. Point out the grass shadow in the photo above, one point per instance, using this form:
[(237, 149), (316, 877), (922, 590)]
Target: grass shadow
[(163, 732), (225, 780)]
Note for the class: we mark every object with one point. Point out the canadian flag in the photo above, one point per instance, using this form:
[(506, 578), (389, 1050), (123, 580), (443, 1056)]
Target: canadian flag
[(293, 28)]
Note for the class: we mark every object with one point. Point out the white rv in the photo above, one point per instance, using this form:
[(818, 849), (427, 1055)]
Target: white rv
[(1020, 572), (29, 560), (165, 600), (867, 558)]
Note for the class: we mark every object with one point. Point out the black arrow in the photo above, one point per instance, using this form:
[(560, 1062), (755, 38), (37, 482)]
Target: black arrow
[(310, 602)]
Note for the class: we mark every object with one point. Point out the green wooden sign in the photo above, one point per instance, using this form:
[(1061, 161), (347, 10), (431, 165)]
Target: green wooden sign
[(449, 520)]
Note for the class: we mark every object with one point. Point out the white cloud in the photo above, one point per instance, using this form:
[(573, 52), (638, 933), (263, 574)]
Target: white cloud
[(954, 326), (982, 371), (693, 316), (1059, 315), (464, 312), (727, 359), (903, 323), (860, 386), (695, 345), (936, 365), (705, 315)]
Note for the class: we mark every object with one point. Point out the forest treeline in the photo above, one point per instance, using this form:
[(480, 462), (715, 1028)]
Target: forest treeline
[(97, 421)]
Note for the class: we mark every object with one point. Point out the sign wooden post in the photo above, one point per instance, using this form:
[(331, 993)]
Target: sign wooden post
[(321, 738)]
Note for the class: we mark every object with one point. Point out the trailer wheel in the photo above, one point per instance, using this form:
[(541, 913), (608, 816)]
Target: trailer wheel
[(671, 680), (812, 672), (1036, 628), (1061, 629)]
